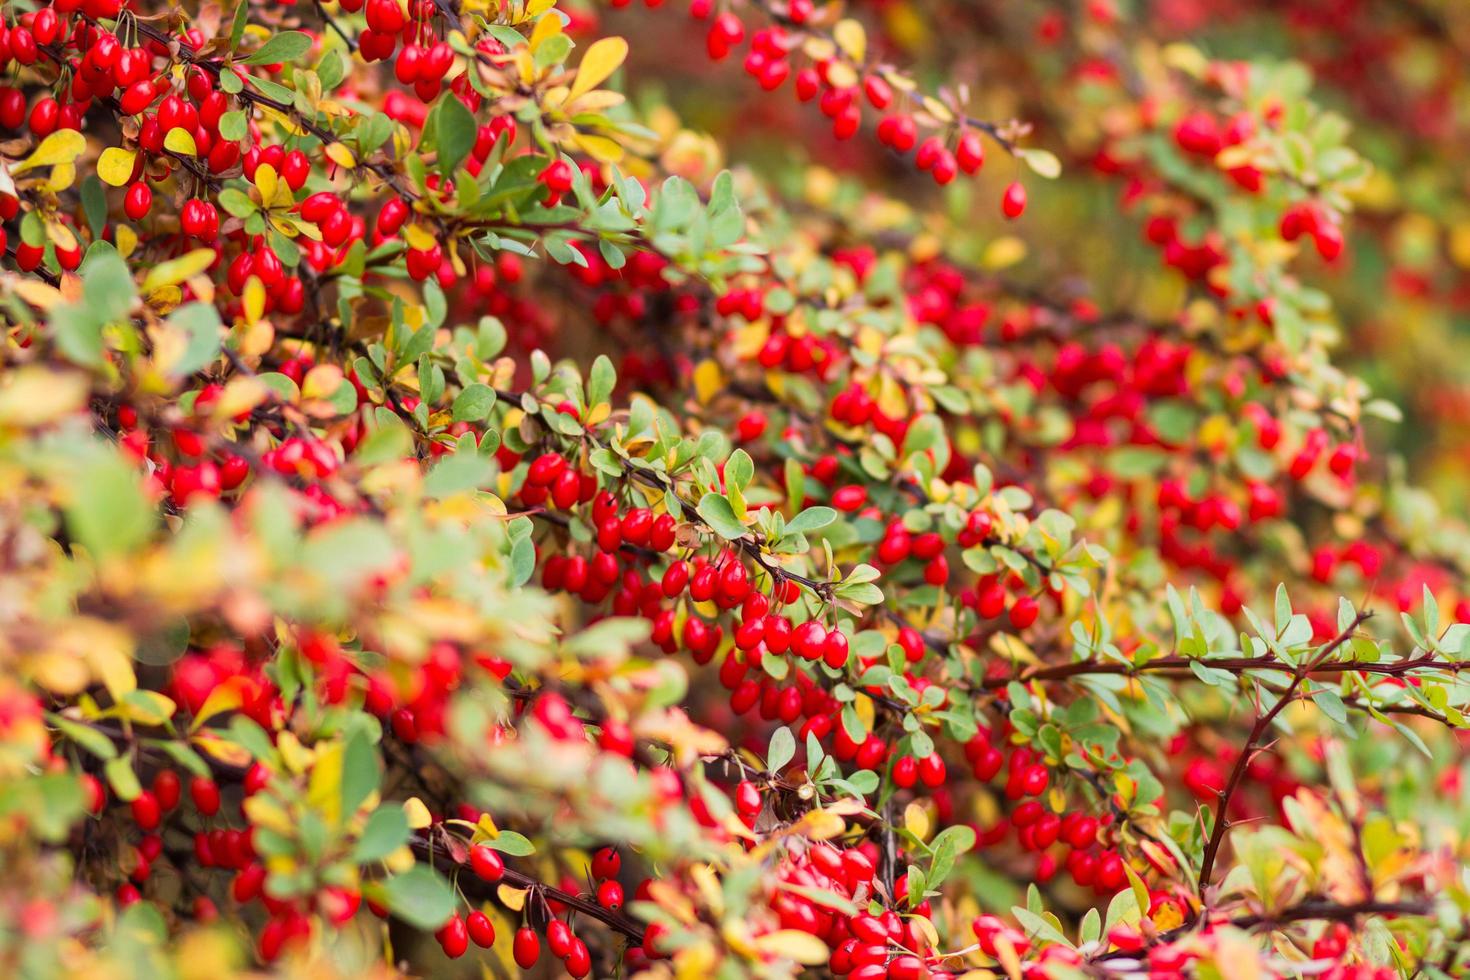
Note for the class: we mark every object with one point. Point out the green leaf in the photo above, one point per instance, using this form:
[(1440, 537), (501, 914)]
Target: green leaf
[(123, 780), (237, 28), (522, 562), (512, 843), (601, 381), (86, 736), (811, 519), (107, 510), (474, 403), (1331, 705), (232, 125), (201, 322), (280, 48), (361, 771), (739, 470), (454, 131), (781, 750), (717, 513), (94, 205), (386, 831), (420, 897), (950, 843)]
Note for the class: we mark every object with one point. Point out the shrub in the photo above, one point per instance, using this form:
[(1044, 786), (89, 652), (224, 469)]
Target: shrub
[(438, 492)]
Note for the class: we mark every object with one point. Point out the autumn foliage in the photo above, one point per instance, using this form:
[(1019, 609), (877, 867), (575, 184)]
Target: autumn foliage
[(729, 488)]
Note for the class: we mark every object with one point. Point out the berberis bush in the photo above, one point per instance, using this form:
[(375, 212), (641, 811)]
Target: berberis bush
[(449, 516)]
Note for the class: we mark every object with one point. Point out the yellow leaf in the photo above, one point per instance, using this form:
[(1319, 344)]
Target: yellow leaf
[(512, 898), (324, 793), (321, 381), (63, 175), (400, 860), (115, 165), (545, 28), (841, 75), (708, 380), (35, 395), (417, 813), (1186, 58), (227, 752), (599, 148), (61, 235), (821, 825), (62, 146), (866, 713), (851, 38), (175, 271), (1003, 253), (916, 821), (283, 120), (59, 673), (226, 696), (599, 100), (263, 811), (180, 140), (38, 294), (1009, 959), (339, 154), (419, 238), (266, 180), (254, 299), (241, 394), (485, 828), (601, 60), (296, 756), (126, 239), (109, 654), (937, 109), (793, 944)]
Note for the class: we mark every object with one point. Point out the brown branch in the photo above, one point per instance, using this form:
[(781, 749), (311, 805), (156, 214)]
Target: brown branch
[(1257, 732)]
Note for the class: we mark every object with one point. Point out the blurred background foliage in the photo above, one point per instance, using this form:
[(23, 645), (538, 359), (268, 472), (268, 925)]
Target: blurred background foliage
[(1397, 70)]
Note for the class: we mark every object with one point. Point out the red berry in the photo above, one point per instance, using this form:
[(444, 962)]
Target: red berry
[(605, 863), (526, 947), (480, 929), (138, 201), (1014, 202), (610, 895), (205, 794), (487, 862), (146, 811)]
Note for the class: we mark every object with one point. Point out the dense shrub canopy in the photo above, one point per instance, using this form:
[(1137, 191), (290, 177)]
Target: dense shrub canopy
[(733, 488)]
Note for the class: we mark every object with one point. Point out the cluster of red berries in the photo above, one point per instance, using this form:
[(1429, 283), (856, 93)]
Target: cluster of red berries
[(943, 156)]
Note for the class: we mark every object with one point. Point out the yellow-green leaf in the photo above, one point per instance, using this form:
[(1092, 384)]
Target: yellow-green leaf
[(180, 141), (62, 146), (175, 271), (852, 39), (115, 165), (602, 59), (1043, 163), (793, 944)]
